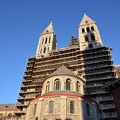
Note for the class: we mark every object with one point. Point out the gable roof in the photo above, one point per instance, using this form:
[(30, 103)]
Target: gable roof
[(48, 29), (86, 20)]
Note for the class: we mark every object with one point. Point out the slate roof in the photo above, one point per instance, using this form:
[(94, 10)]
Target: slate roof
[(9, 107), (63, 92), (63, 71)]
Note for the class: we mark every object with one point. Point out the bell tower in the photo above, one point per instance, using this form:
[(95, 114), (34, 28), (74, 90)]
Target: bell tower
[(88, 33), (47, 41)]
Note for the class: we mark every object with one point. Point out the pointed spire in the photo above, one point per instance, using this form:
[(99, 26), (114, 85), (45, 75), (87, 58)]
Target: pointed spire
[(86, 20), (48, 29)]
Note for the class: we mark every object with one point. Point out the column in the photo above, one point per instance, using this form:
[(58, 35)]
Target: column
[(39, 108), (63, 112)]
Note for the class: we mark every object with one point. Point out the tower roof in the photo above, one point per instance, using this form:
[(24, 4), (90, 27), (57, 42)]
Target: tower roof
[(63, 71), (48, 29), (86, 20)]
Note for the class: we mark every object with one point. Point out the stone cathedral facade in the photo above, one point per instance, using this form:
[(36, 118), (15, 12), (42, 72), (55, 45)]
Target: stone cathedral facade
[(66, 83)]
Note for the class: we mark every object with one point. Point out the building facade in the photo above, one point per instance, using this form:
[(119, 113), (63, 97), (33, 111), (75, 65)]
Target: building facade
[(117, 68), (7, 111), (89, 60), (62, 98)]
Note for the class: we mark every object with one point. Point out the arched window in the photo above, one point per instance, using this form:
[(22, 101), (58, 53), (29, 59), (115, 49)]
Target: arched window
[(57, 84), (84, 46), (47, 86), (71, 107), (1, 116), (36, 118), (49, 39), (34, 109), (41, 51), (86, 38), (44, 49), (91, 45), (87, 109), (92, 36), (88, 29), (51, 107), (78, 86), (97, 44), (9, 115), (84, 90), (92, 28), (83, 30), (45, 40), (68, 84)]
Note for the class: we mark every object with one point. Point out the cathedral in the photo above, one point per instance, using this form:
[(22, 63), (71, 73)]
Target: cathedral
[(67, 83)]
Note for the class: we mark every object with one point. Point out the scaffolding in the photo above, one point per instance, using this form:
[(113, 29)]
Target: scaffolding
[(94, 65)]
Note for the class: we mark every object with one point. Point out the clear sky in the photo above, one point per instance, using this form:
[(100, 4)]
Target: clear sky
[(22, 22)]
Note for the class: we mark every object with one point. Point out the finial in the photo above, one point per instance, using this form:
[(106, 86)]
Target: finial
[(84, 12), (51, 20)]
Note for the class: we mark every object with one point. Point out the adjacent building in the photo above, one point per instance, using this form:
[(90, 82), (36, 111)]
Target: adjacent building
[(117, 68), (7, 111), (114, 88)]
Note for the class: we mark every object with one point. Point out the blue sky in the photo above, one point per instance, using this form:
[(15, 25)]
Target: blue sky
[(22, 22)]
